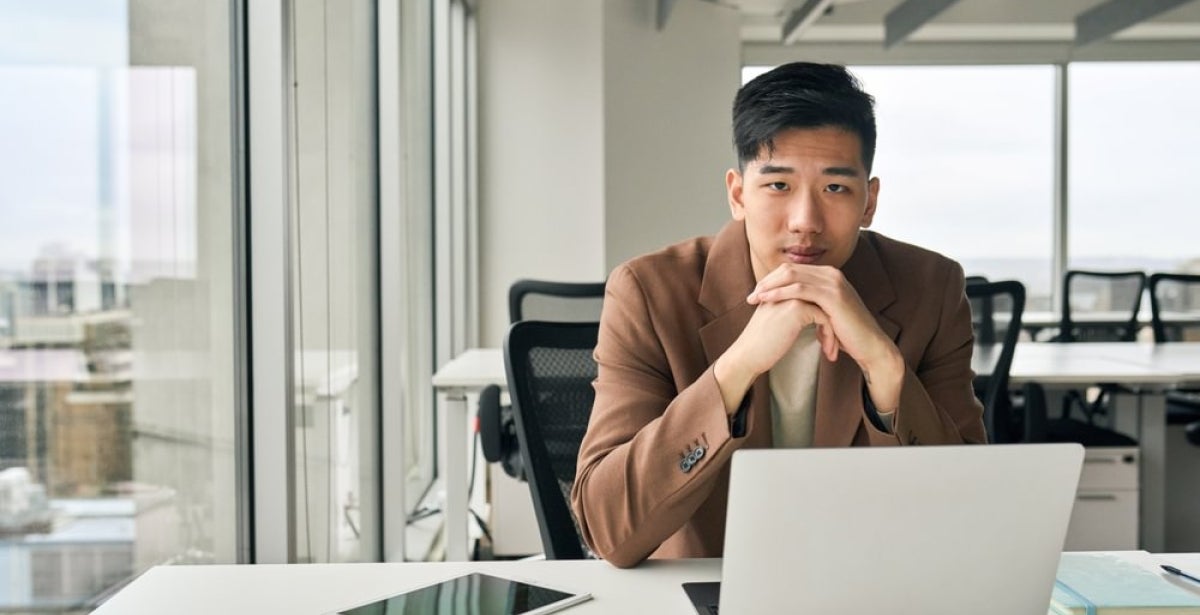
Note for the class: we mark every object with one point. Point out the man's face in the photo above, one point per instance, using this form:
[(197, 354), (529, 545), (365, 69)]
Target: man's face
[(804, 202)]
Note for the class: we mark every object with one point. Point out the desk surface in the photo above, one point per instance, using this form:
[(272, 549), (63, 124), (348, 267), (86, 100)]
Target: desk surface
[(1086, 363), (319, 588), (475, 368)]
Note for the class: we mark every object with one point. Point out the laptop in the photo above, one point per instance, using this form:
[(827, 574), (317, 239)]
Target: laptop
[(922, 530)]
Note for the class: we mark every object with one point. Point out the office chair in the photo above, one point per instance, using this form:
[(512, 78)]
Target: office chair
[(988, 299), (1112, 299), (1175, 317), (531, 300), (550, 373), (555, 301)]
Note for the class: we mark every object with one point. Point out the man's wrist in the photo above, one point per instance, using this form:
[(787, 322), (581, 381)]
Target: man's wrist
[(733, 379), (884, 378)]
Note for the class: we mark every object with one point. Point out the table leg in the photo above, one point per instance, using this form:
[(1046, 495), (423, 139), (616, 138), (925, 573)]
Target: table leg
[(452, 459), (1152, 444)]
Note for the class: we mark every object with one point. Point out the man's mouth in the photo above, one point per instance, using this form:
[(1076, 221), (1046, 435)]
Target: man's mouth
[(803, 255)]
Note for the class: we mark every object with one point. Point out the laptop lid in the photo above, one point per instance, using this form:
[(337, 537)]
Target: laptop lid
[(924, 529)]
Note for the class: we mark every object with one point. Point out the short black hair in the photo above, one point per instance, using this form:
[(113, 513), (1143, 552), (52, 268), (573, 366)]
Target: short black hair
[(801, 95)]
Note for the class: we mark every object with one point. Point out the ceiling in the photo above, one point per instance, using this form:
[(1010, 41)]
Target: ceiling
[(963, 21)]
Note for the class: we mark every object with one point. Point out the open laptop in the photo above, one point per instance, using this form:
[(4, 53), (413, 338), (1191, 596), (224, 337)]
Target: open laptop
[(922, 530)]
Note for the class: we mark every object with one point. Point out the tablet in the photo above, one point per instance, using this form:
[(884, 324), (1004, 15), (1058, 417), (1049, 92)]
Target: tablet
[(472, 594)]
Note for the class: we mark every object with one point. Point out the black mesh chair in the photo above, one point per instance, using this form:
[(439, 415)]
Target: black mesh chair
[(1175, 314), (555, 301), (996, 307), (550, 373), (1099, 306), (531, 300)]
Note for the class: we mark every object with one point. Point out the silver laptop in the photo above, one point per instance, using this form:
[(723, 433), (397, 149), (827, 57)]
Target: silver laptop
[(922, 530)]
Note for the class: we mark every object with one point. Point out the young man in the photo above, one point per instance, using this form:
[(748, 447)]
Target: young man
[(790, 327)]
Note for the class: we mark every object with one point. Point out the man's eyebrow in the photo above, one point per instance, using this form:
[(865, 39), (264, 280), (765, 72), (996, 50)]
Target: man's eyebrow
[(842, 171), (772, 169)]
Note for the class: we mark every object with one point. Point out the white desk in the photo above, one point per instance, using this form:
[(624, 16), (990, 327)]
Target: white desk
[(321, 588), (318, 588), (455, 381), (1151, 369)]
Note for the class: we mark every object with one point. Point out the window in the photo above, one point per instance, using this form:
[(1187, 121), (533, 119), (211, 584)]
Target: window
[(117, 351), (1134, 130), (334, 212)]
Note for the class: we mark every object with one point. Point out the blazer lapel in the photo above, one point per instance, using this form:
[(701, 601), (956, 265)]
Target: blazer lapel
[(839, 384), (728, 279)]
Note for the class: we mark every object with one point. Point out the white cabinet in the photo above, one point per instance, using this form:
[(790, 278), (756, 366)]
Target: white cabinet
[(1105, 516)]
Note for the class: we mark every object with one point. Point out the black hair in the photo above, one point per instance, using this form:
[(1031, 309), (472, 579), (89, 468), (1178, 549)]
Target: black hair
[(801, 95)]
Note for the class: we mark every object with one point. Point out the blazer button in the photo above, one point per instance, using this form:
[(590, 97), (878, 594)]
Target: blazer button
[(685, 464), (698, 453)]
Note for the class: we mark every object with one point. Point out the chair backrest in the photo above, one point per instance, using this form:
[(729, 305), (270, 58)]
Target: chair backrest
[(1175, 306), (996, 309), (555, 301), (550, 373), (1101, 306)]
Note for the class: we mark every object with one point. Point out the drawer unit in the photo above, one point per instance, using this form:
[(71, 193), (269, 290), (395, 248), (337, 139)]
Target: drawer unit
[(1105, 515)]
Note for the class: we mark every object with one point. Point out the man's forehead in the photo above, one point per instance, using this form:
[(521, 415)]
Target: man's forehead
[(825, 146)]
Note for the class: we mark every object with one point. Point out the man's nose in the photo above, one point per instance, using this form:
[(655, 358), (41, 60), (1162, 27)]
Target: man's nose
[(804, 213)]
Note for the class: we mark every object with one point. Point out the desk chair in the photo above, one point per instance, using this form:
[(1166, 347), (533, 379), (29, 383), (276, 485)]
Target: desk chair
[(987, 299), (555, 301), (550, 373), (1117, 295), (531, 300), (1178, 293)]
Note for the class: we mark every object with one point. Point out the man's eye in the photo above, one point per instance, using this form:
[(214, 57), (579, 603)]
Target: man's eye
[(778, 186), (836, 188)]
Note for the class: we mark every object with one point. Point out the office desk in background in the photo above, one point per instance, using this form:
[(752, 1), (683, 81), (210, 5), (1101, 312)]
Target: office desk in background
[(1149, 369), (653, 587), (456, 383)]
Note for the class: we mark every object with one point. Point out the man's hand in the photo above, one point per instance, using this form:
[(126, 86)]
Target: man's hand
[(845, 319), (772, 330)]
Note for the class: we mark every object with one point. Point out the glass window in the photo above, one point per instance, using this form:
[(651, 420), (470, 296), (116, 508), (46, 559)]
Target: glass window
[(334, 212), (1133, 144), (117, 395), (965, 157)]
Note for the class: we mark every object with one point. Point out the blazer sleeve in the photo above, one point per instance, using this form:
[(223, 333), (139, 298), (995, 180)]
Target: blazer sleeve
[(652, 453), (937, 400)]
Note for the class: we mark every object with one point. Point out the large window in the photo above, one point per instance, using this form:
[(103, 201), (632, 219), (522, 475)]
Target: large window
[(117, 331), (334, 214), (1134, 149)]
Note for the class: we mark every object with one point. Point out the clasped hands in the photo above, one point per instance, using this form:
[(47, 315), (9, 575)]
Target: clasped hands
[(796, 296)]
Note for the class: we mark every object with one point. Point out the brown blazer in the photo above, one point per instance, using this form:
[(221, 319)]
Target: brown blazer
[(668, 316)]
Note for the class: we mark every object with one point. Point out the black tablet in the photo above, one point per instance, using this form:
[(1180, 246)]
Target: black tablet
[(472, 594)]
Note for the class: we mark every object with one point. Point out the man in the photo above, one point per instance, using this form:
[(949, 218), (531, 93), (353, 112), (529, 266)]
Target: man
[(788, 328)]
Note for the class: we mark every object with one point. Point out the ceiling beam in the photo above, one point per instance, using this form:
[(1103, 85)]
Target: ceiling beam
[(908, 16), (1105, 19), (802, 17), (664, 13)]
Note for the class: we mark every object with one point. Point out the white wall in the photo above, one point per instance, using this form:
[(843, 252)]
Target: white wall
[(667, 102), (600, 137), (541, 150)]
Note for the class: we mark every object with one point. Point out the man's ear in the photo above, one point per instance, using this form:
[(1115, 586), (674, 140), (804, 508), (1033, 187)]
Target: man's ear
[(733, 188), (872, 201)]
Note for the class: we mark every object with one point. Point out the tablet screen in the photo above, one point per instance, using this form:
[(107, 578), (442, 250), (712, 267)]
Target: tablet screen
[(472, 594)]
